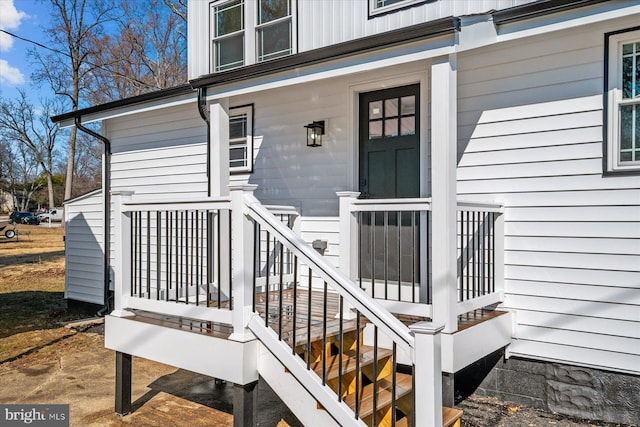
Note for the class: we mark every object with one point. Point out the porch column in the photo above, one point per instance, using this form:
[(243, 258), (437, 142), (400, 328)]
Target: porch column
[(122, 250), (428, 374), (348, 237), (242, 259), (444, 190), (219, 140)]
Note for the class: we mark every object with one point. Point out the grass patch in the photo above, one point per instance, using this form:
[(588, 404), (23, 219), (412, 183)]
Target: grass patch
[(32, 270)]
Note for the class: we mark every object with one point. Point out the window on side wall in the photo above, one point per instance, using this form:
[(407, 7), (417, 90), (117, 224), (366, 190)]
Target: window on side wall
[(241, 139), (382, 7), (623, 102), (248, 31)]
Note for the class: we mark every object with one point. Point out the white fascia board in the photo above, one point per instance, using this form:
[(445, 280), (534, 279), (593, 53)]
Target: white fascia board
[(133, 109), (383, 58), (567, 20)]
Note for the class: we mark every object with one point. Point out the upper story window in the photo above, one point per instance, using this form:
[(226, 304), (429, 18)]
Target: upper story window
[(274, 35), (250, 31), (623, 102), (381, 7), (228, 41)]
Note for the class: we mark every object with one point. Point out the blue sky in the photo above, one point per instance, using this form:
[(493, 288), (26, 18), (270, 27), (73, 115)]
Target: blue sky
[(25, 18)]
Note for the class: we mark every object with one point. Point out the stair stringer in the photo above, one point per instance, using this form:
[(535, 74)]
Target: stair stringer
[(300, 389)]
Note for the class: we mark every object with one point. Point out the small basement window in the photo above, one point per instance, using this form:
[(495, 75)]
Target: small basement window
[(623, 102)]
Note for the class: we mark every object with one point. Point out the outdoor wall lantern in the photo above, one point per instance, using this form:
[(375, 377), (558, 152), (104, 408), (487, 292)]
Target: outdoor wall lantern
[(315, 130)]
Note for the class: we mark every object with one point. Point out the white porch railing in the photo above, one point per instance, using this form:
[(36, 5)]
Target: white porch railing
[(198, 259), (386, 246)]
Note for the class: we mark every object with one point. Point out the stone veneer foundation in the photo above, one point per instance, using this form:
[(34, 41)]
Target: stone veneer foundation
[(565, 389)]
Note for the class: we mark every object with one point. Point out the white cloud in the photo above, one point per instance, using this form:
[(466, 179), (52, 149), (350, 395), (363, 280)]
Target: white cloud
[(10, 19), (9, 74)]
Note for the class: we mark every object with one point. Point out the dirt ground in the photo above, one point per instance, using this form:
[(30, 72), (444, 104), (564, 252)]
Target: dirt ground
[(45, 359)]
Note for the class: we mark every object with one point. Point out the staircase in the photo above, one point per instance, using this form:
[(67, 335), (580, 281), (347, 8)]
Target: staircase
[(347, 355)]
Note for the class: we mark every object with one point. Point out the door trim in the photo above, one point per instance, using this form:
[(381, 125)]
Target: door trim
[(390, 81)]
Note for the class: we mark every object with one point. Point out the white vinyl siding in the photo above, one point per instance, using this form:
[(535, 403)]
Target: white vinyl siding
[(84, 249), (530, 137)]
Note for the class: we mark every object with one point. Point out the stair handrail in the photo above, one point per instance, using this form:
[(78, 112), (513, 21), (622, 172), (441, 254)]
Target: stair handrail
[(355, 296)]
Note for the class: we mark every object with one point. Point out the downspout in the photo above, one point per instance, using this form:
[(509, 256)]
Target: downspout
[(204, 113), (107, 211)]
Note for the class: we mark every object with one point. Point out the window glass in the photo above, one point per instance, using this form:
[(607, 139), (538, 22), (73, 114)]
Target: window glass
[(229, 17), (408, 126), (630, 113), (274, 41), (383, 3), (270, 10), (391, 107), (240, 139), (391, 127), (375, 110), (375, 129), (408, 105), (229, 52)]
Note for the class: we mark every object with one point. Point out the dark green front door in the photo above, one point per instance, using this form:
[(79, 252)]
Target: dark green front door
[(390, 143), (389, 163)]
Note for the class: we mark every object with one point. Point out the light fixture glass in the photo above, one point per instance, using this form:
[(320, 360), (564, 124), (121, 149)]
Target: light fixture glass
[(315, 130)]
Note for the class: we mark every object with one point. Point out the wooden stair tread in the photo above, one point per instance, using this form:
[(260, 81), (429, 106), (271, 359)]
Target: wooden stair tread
[(403, 387), (349, 361)]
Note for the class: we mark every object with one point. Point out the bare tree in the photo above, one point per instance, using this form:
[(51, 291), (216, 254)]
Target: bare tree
[(147, 53), (75, 27), (22, 124), (19, 168)]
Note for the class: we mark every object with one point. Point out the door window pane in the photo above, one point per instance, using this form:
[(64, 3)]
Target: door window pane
[(375, 110), (391, 127), (375, 129), (408, 126), (229, 18), (408, 105), (391, 107)]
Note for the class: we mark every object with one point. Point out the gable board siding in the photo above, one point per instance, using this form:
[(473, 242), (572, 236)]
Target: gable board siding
[(84, 249), (530, 136), (327, 22)]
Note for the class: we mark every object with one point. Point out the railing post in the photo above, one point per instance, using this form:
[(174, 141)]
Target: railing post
[(348, 237), (444, 192), (122, 250), (427, 374), (241, 262)]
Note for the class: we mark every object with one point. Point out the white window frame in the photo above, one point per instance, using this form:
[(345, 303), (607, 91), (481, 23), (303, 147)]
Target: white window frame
[(247, 141), (374, 10), (615, 100), (250, 30), (215, 39)]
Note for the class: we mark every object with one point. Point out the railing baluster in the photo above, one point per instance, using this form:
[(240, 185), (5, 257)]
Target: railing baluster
[(373, 251), (177, 257), (280, 290), (256, 260), (340, 344), (324, 334), (360, 246), (167, 254), (294, 321), (158, 253), (266, 307), (428, 245), (385, 252), (460, 215), (399, 240), (374, 420), (468, 254), (493, 247), (358, 373), (393, 384), (230, 260), (218, 262), (309, 321)]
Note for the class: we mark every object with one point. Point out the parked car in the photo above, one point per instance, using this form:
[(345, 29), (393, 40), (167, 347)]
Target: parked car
[(52, 215), (24, 218)]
